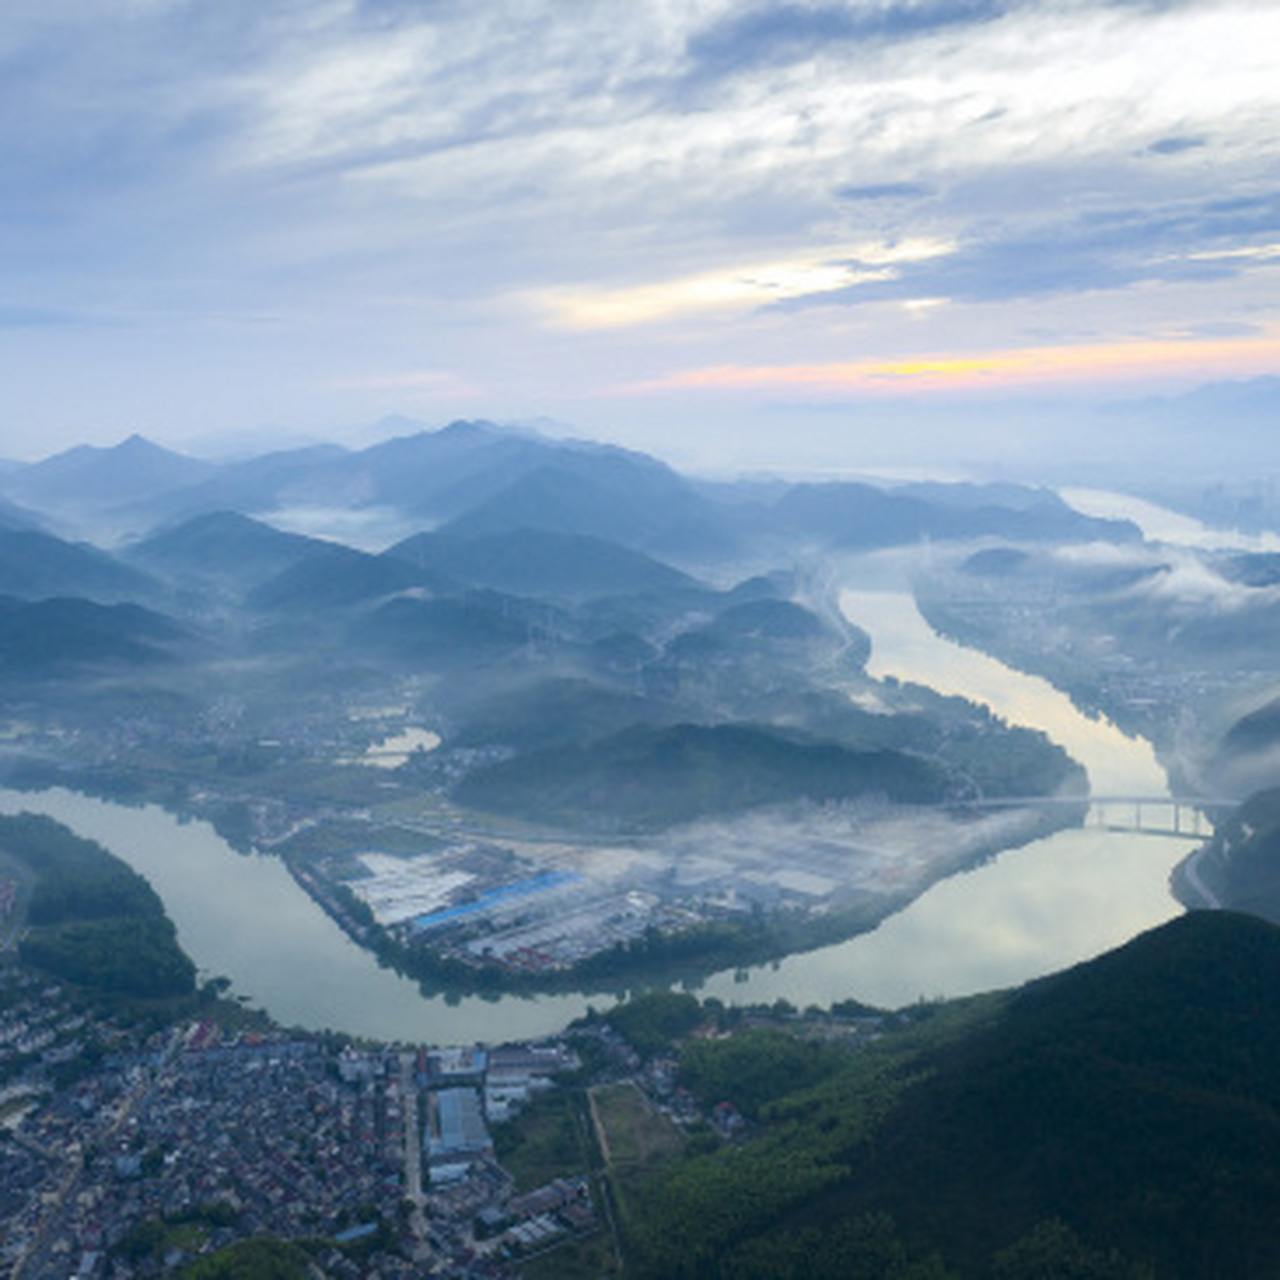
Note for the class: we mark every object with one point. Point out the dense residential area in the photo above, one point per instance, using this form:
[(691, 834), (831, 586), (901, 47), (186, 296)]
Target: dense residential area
[(129, 1149), (131, 1154), (668, 1138), (145, 1136)]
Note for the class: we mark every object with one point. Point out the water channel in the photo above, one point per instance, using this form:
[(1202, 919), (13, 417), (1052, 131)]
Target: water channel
[(1027, 912)]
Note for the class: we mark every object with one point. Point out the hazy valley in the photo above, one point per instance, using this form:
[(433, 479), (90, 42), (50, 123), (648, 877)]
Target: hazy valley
[(526, 716), (606, 667)]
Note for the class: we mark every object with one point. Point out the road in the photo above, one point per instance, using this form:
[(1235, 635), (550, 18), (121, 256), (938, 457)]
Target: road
[(1192, 874), (413, 1191)]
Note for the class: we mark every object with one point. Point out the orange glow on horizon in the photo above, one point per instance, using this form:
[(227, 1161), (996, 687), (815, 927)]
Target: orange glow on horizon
[(1028, 366)]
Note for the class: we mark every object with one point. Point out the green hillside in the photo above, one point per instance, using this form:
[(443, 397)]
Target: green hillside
[(223, 545), (645, 779), (37, 565), (331, 576), (1241, 864), (93, 920), (1121, 1120), (537, 562), (43, 636)]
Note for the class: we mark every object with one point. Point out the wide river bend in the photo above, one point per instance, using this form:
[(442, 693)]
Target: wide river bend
[(1028, 911)]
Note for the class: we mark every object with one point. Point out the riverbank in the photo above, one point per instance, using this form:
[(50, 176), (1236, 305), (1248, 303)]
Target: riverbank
[(971, 919), (1187, 886), (888, 856)]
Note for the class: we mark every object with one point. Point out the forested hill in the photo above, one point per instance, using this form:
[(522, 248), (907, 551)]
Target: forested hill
[(93, 921), (1118, 1121), (1241, 864), (647, 779)]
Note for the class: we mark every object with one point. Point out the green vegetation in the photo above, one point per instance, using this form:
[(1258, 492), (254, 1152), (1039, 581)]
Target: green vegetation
[(1241, 864), (77, 879), (866, 1247), (540, 562), (755, 1068), (636, 1145), (588, 1258), (653, 1022), (555, 713), (1052, 1249), (636, 1139), (1115, 1122), (124, 956), (342, 836), (703, 1207), (252, 1260), (649, 779), (94, 921), (546, 1140), (187, 1231), (44, 637)]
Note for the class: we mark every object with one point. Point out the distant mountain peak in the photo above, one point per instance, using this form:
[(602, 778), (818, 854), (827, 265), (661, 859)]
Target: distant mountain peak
[(133, 449), (464, 428), (93, 477)]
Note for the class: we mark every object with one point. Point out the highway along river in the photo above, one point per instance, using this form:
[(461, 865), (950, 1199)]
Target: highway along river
[(1027, 912)]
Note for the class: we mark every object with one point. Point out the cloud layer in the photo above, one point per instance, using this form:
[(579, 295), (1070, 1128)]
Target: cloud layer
[(322, 210)]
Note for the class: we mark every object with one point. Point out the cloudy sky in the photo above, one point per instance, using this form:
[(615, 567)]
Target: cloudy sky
[(727, 229)]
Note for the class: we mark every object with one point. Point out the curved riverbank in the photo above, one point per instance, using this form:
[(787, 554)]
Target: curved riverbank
[(1026, 911)]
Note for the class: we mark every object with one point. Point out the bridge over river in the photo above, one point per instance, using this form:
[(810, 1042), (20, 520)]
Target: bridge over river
[(1153, 815)]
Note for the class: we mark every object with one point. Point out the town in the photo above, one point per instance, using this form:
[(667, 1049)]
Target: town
[(129, 1149)]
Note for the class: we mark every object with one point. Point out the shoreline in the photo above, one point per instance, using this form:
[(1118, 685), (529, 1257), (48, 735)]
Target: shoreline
[(678, 958)]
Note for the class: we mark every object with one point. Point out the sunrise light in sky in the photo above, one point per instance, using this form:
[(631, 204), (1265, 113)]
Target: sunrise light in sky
[(644, 218)]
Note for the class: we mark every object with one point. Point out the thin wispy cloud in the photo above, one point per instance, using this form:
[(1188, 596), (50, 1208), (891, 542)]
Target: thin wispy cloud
[(772, 34), (541, 204), (1024, 366)]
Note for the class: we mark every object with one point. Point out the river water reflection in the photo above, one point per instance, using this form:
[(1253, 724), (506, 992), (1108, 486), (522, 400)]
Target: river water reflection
[(1027, 912), (245, 917)]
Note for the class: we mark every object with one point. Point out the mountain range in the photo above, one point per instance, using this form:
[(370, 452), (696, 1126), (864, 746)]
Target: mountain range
[(602, 630), (472, 479)]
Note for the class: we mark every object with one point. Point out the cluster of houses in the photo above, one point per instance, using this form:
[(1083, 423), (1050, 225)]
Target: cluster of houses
[(242, 1134), (476, 1211)]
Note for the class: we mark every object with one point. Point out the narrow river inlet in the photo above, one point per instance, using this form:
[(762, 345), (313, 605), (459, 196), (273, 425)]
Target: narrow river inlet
[(1026, 912)]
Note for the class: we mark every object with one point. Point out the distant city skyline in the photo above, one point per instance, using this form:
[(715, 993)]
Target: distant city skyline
[(869, 233)]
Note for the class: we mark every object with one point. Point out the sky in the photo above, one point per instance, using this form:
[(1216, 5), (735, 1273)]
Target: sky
[(889, 232)]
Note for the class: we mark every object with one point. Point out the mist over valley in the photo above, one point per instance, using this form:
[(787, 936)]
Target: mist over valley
[(585, 647), (571, 727)]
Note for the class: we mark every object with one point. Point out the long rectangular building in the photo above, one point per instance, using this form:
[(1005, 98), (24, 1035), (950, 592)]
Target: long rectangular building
[(455, 1126)]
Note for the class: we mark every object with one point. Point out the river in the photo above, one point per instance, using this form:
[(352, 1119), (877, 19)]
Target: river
[(246, 918), (1027, 912)]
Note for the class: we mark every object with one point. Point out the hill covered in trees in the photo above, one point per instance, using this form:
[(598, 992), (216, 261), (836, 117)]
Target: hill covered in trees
[(1241, 864), (647, 779), (94, 921), (1117, 1121)]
